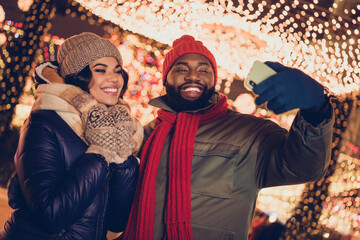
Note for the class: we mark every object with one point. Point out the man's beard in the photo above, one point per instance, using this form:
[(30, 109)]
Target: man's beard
[(179, 104)]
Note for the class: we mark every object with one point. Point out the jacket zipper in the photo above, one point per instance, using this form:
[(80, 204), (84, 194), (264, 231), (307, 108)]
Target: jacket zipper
[(61, 233)]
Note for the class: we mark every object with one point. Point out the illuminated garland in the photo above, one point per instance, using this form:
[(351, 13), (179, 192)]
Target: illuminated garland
[(2, 14), (343, 202), (17, 56), (297, 33), (24, 5), (304, 223), (46, 53), (18, 48), (280, 201)]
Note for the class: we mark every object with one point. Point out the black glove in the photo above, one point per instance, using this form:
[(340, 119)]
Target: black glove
[(290, 88)]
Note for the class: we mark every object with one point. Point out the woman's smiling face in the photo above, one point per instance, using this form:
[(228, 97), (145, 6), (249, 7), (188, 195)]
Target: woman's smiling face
[(106, 82)]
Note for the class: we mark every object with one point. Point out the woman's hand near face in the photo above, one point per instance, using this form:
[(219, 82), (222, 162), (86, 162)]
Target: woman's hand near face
[(52, 75), (101, 134), (125, 128)]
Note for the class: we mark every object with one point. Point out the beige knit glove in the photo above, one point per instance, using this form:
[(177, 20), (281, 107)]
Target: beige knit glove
[(101, 134), (99, 125), (125, 129)]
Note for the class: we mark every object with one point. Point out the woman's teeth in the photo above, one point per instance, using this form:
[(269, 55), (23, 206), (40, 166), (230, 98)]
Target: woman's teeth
[(111, 90)]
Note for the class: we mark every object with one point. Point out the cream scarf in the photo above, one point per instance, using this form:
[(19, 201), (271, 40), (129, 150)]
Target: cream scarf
[(51, 97), (56, 97)]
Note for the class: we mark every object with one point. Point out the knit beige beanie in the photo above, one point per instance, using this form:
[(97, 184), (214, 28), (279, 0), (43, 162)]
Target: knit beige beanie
[(80, 50)]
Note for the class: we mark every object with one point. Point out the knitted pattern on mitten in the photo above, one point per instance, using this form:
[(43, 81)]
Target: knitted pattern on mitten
[(101, 134), (99, 128), (125, 129)]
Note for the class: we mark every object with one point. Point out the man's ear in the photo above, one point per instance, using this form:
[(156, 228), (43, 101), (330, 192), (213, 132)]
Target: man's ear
[(165, 81)]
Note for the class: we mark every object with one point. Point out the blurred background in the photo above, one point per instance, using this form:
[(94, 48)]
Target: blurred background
[(320, 37)]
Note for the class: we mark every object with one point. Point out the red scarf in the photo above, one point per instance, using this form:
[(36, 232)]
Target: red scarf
[(178, 207)]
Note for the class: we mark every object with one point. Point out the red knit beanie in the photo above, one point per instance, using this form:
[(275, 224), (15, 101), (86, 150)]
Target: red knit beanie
[(184, 45)]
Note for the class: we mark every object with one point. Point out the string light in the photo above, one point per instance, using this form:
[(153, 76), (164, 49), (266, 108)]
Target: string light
[(308, 217), (343, 203), (233, 33), (281, 200), (2, 14), (24, 5), (17, 56)]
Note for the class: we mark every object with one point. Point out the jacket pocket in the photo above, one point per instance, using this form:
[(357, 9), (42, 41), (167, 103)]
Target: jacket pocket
[(213, 169), (210, 233)]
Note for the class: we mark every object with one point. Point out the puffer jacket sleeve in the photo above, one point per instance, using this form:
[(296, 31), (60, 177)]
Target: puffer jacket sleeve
[(123, 181), (298, 156), (55, 195)]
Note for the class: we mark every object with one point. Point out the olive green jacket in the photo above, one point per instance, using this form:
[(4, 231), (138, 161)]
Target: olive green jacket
[(234, 157)]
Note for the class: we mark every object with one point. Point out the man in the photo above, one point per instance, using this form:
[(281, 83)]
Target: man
[(203, 164)]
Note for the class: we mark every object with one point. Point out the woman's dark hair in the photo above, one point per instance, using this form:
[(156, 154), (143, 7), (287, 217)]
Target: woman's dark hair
[(83, 78)]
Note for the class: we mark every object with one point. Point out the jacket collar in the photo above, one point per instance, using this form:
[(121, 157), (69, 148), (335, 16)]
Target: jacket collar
[(160, 102)]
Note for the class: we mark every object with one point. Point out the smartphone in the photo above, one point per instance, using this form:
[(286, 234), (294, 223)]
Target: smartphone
[(258, 73)]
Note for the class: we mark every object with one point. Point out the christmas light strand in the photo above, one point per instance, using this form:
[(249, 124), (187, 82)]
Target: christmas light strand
[(297, 36)]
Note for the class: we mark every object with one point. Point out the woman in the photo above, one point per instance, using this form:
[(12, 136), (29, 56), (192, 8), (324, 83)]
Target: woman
[(75, 170)]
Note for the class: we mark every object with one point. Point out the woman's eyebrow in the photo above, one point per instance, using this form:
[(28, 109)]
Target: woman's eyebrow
[(104, 65), (100, 64)]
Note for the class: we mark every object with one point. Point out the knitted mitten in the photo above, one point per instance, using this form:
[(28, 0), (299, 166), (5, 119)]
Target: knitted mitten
[(99, 125), (101, 134), (125, 129)]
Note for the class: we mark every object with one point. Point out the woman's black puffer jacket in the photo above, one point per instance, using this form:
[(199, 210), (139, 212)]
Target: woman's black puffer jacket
[(59, 192)]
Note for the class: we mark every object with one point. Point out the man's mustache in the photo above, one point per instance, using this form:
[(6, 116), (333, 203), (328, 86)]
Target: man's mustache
[(191, 83)]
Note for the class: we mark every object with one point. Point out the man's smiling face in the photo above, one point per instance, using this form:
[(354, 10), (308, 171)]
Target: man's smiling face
[(190, 82)]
